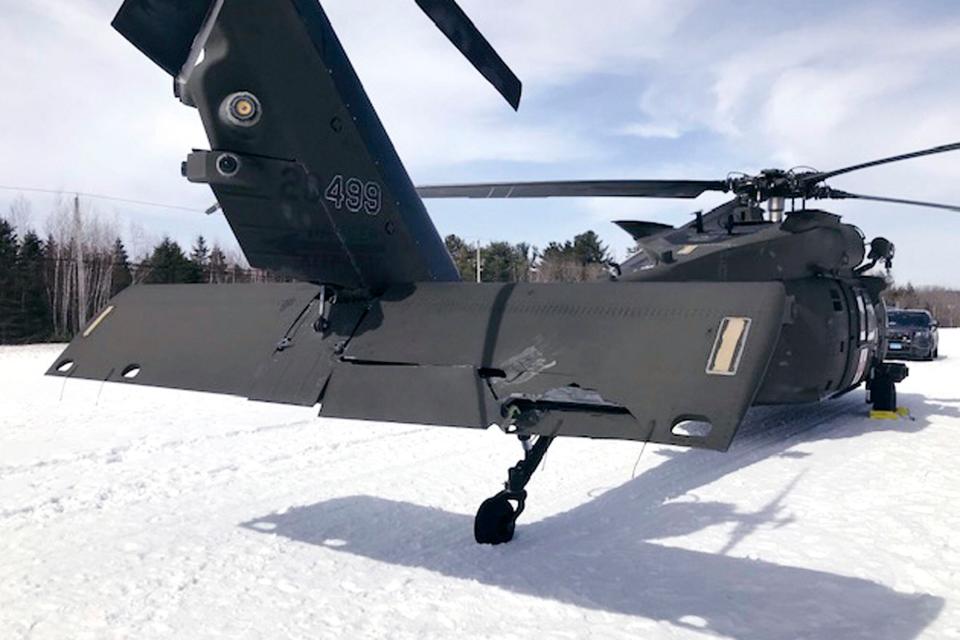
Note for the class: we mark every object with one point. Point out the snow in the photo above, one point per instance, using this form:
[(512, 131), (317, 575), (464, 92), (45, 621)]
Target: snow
[(128, 512)]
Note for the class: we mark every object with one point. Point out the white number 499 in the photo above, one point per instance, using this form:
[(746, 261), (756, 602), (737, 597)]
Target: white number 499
[(355, 194)]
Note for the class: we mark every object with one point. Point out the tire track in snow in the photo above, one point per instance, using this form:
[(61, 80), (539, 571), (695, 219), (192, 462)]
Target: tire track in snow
[(141, 443), (169, 477)]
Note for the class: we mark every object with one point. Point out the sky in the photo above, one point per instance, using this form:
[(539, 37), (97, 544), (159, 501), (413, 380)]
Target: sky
[(612, 89)]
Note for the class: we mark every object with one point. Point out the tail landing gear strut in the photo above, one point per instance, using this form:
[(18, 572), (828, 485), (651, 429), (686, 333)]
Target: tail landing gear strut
[(497, 517)]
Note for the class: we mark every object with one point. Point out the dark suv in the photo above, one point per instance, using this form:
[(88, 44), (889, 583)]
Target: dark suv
[(911, 333)]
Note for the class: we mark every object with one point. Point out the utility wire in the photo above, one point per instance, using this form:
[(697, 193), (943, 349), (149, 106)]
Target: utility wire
[(96, 196)]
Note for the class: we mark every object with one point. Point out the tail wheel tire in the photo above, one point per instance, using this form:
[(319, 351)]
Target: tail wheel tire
[(883, 393), (495, 521)]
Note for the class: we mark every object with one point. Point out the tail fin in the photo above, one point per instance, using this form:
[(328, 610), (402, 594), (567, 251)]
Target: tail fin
[(306, 176)]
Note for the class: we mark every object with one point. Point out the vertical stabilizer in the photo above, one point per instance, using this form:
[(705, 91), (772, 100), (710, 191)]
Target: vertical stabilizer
[(301, 165)]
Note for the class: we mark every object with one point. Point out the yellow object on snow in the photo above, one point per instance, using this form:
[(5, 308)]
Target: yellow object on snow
[(901, 412)]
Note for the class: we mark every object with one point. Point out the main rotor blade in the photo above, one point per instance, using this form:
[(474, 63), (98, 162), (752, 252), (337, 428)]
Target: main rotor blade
[(163, 30), (576, 189), (819, 177), (465, 36), (833, 194)]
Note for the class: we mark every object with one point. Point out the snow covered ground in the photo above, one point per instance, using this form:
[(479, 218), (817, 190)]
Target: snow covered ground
[(144, 513)]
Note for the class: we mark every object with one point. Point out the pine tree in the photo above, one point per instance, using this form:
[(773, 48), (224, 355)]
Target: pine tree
[(588, 249), (499, 262), (464, 257), (200, 252), (577, 261), (168, 265), (120, 277), (557, 251), (523, 259), (36, 315), (9, 308)]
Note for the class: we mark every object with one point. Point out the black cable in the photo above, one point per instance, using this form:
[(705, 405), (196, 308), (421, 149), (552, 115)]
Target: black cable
[(96, 196)]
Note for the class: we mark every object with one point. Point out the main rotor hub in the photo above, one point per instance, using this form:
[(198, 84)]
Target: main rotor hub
[(776, 185)]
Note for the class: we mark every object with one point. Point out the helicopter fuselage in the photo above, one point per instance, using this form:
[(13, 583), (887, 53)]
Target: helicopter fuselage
[(833, 335)]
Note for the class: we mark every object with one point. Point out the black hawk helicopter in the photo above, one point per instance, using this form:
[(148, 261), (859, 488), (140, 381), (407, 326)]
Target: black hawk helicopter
[(737, 308)]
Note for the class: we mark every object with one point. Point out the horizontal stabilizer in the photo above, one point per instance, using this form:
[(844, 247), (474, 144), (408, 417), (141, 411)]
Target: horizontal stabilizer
[(637, 361), (216, 338), (606, 359)]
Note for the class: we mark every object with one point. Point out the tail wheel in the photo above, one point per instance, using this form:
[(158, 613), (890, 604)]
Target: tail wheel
[(883, 393), (495, 521)]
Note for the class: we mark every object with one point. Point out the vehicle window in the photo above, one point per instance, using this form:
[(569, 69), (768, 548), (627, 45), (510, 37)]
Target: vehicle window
[(908, 319)]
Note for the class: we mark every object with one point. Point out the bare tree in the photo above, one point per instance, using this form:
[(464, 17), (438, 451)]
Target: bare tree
[(20, 215), (80, 264)]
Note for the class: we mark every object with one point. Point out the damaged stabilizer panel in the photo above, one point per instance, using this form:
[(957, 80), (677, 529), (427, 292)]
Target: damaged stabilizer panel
[(618, 360)]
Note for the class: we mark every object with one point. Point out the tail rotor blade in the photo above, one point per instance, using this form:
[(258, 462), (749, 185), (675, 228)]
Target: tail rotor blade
[(465, 36), (163, 30)]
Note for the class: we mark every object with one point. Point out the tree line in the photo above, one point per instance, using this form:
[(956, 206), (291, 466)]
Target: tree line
[(579, 260), (51, 286)]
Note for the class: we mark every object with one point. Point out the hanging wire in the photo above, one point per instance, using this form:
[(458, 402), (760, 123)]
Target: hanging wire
[(636, 464), (96, 196)]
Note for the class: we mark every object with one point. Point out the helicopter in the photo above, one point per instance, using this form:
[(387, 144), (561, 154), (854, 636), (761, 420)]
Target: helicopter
[(742, 306)]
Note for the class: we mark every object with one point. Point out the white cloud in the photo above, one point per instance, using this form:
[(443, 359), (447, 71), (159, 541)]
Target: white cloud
[(651, 130), (439, 111), (824, 94)]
